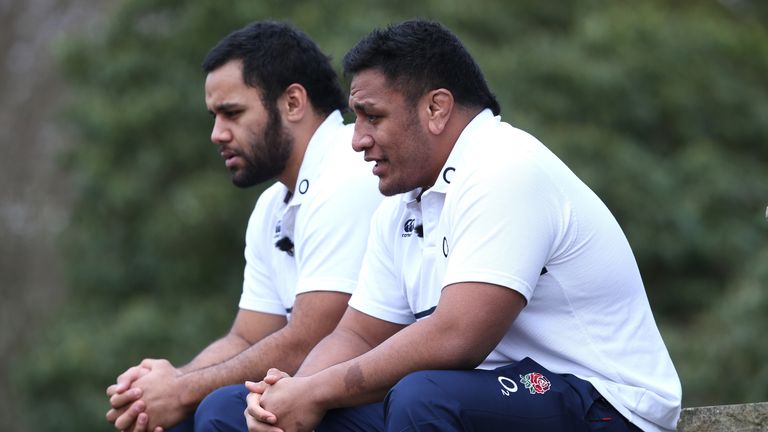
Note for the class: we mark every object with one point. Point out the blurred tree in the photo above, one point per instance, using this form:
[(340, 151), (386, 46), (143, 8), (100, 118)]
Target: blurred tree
[(660, 106), (723, 356), (662, 111)]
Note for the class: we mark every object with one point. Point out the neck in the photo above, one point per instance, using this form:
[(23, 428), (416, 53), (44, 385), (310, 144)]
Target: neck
[(302, 133), (459, 120)]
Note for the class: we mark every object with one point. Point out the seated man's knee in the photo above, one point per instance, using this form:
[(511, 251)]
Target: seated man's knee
[(222, 410), (363, 418), (423, 401), (414, 391)]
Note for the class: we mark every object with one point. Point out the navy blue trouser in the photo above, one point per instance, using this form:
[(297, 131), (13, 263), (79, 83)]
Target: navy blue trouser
[(521, 397), (221, 410)]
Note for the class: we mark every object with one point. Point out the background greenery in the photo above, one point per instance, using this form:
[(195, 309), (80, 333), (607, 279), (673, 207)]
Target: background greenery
[(660, 106)]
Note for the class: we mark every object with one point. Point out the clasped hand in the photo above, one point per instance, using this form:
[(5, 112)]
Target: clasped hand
[(143, 398), (281, 403)]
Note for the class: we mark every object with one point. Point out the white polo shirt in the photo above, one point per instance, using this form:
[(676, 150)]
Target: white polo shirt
[(327, 219), (507, 211)]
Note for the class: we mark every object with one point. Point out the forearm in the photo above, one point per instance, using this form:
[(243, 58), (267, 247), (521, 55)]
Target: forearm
[(453, 337), (338, 347), (284, 349), (217, 352), (367, 378)]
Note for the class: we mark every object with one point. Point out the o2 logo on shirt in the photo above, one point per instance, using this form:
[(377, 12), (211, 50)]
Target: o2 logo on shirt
[(508, 386)]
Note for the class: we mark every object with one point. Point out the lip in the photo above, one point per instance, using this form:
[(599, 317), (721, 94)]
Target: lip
[(379, 163), (379, 168), (226, 154), (231, 162), (370, 158), (229, 157)]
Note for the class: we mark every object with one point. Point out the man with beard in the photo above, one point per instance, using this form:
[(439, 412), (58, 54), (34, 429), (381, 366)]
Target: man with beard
[(276, 107)]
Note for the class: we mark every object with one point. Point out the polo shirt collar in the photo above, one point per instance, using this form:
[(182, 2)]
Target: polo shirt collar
[(481, 121), (317, 151)]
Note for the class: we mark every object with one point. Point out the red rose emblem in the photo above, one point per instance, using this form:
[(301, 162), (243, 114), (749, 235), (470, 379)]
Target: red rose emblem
[(535, 383), (540, 383)]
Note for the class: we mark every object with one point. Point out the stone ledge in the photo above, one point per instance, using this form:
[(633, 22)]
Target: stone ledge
[(750, 417)]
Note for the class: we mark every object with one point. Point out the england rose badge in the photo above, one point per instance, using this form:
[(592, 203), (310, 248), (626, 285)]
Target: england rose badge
[(535, 382)]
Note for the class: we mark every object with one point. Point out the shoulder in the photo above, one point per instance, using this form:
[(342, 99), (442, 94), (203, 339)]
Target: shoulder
[(503, 165), (503, 155)]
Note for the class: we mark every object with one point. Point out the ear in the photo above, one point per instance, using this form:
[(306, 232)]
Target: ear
[(439, 109), (293, 103)]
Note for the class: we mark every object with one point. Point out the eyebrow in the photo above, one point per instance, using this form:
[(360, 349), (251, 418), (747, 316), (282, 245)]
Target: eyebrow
[(226, 106), (361, 106)]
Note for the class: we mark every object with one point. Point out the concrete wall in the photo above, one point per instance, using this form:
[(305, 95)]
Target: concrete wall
[(751, 417)]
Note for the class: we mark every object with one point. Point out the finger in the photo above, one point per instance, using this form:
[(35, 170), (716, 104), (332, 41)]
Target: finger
[(255, 410), (141, 423), (112, 390), (277, 372), (121, 399), (256, 426), (114, 413), (151, 363), (124, 381), (254, 387), (129, 417), (158, 429), (127, 378), (271, 379)]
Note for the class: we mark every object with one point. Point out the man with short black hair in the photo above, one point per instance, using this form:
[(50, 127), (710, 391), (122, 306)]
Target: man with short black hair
[(276, 103), (517, 304)]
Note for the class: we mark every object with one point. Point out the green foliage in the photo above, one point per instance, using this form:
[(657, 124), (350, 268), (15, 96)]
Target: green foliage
[(672, 102), (725, 358), (660, 106)]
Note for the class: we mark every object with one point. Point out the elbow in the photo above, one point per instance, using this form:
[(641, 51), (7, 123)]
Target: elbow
[(460, 346), (469, 358), (460, 352)]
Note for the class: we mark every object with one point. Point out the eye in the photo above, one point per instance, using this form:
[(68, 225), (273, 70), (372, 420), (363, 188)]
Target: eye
[(364, 114), (231, 114)]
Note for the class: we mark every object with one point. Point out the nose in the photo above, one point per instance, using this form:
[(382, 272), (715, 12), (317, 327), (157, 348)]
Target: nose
[(361, 140), (220, 134)]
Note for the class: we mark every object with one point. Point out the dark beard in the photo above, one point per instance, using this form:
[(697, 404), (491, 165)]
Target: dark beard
[(268, 156)]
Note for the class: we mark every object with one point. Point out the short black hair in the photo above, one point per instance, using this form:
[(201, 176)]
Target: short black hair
[(419, 56), (276, 55)]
